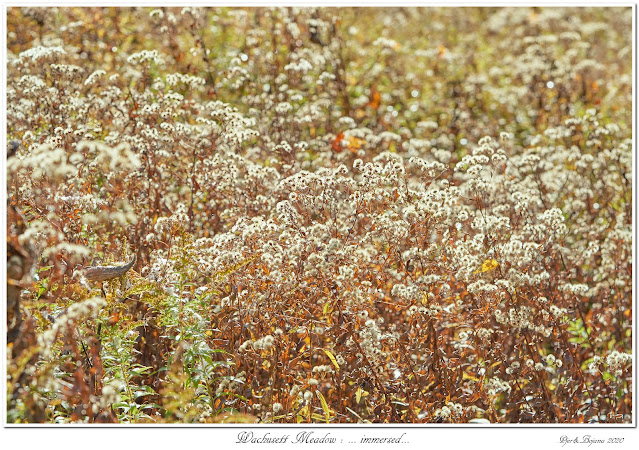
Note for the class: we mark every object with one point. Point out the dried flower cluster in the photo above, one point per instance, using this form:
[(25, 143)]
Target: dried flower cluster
[(339, 216)]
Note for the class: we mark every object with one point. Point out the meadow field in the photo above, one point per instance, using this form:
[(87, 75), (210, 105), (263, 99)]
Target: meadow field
[(337, 215)]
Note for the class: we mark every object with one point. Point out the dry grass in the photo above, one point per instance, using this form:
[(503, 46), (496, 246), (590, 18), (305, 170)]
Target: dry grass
[(382, 215)]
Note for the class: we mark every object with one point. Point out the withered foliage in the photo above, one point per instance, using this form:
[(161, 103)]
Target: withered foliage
[(329, 215)]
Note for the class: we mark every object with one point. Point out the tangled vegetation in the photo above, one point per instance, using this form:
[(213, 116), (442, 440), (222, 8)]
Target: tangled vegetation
[(339, 215)]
